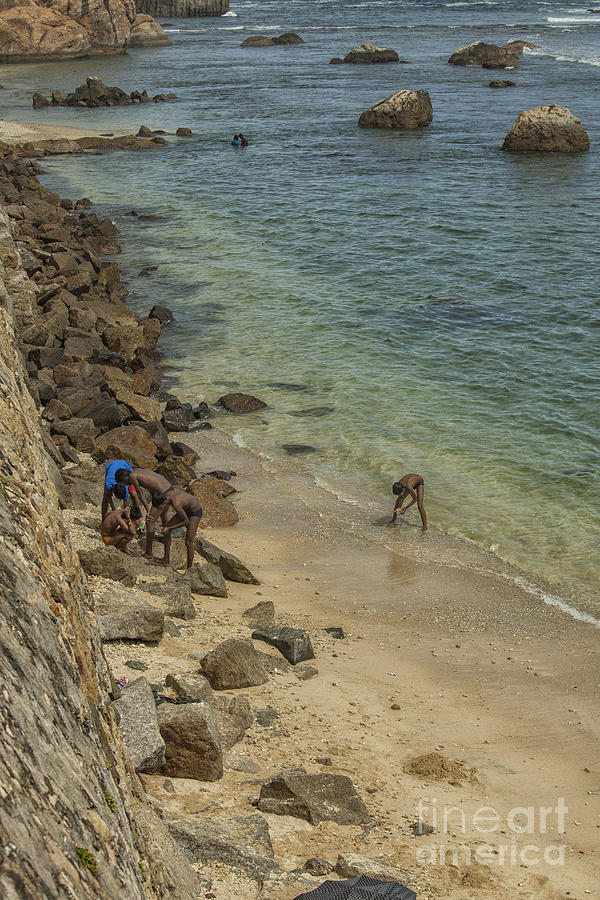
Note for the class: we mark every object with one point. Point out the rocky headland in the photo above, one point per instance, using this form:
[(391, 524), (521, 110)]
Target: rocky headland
[(57, 30)]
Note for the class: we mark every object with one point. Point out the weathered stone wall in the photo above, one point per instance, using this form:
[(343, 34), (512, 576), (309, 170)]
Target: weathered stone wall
[(182, 8), (68, 800)]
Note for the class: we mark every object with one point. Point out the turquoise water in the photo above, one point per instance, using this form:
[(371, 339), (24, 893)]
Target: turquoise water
[(404, 302)]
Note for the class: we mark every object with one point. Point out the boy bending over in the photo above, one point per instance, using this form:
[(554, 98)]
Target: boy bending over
[(118, 528)]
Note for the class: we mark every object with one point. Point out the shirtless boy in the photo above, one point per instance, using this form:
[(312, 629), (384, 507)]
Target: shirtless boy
[(187, 512), (154, 484), (409, 485), (118, 528)]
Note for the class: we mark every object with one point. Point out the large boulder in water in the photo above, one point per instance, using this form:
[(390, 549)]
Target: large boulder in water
[(289, 37), (146, 32), (258, 40), (367, 54), (489, 56), (404, 109), (547, 129)]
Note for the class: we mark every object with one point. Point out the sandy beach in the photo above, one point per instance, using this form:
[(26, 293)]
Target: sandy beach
[(436, 659), (17, 133)]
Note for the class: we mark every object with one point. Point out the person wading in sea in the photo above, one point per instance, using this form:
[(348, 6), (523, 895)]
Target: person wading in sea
[(414, 486)]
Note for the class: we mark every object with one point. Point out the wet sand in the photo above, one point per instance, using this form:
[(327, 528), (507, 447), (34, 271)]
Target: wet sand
[(437, 658)]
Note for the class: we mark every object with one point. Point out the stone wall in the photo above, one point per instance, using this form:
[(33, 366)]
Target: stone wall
[(184, 8), (72, 810)]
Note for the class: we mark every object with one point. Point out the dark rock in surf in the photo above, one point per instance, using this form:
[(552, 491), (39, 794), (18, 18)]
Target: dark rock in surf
[(241, 403)]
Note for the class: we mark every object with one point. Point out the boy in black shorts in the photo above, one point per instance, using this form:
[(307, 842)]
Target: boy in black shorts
[(414, 486), (187, 512)]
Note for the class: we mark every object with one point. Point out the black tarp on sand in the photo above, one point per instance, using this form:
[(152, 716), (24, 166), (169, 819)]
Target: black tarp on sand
[(362, 888)]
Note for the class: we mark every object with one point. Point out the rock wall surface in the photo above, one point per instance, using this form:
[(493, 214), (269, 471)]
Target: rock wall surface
[(72, 812), (46, 30), (184, 8)]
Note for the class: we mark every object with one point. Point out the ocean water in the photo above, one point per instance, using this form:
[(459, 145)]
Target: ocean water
[(405, 302)]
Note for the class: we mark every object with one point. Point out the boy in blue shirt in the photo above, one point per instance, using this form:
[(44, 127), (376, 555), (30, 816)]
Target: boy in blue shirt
[(110, 484)]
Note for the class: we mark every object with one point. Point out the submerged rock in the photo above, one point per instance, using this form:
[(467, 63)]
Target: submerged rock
[(241, 403)]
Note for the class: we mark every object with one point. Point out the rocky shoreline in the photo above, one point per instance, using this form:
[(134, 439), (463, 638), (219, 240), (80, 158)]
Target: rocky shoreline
[(92, 369), (229, 697)]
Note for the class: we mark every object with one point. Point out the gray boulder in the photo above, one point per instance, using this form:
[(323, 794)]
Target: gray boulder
[(232, 568), (206, 580), (181, 608), (192, 742), (123, 616), (316, 798), (293, 643), (108, 562), (403, 109), (190, 687), (138, 726), (240, 762), (349, 865), (233, 716), (233, 664), (242, 842), (263, 613)]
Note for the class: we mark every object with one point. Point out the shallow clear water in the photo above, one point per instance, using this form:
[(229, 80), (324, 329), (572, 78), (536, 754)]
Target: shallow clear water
[(405, 302)]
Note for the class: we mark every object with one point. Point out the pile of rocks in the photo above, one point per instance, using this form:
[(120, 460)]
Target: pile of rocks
[(92, 366), (95, 93)]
